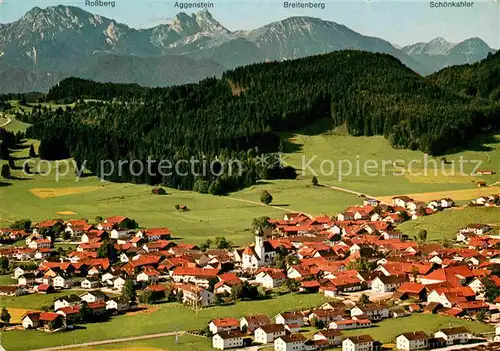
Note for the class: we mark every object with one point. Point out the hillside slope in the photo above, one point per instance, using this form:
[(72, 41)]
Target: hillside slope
[(480, 79), (369, 93)]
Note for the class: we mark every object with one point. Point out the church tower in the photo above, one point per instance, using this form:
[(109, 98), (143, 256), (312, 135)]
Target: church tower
[(259, 243)]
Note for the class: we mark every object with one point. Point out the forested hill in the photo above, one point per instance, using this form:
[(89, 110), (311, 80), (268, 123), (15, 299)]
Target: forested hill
[(227, 117), (480, 79)]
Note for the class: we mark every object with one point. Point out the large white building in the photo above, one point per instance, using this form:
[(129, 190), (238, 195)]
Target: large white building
[(412, 341), (455, 335), (228, 340)]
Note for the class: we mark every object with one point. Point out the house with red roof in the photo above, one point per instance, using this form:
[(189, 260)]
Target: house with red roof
[(411, 290), (226, 283), (153, 234), (195, 295), (198, 276), (223, 324)]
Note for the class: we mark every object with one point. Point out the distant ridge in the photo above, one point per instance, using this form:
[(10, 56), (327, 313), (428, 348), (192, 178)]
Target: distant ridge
[(60, 41)]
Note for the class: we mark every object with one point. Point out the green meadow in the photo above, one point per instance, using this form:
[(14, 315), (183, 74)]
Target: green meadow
[(446, 224), (162, 318), (370, 165)]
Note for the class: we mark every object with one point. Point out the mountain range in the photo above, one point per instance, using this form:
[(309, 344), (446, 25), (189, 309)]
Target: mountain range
[(46, 45)]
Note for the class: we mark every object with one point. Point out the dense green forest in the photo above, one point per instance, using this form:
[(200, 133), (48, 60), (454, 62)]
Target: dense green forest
[(239, 115), (480, 79)]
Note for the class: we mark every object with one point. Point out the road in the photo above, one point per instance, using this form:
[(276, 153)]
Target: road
[(350, 191), (261, 204), (109, 341), (8, 120)]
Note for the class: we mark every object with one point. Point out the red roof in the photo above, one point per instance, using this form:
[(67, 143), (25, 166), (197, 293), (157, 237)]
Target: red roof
[(157, 231), (196, 272), (44, 287), (226, 322), (115, 219), (157, 288), (49, 316), (412, 288)]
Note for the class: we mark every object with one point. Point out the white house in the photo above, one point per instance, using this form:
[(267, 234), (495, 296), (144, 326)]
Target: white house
[(90, 283), (26, 279), (223, 324), (117, 304), (289, 318), (60, 282), (18, 271), (358, 343), (94, 296), (292, 342), (334, 337), (67, 301), (389, 283), (412, 341), (251, 323), (372, 310), (401, 201), (118, 283), (228, 340), (454, 335), (195, 295), (268, 333), (270, 278)]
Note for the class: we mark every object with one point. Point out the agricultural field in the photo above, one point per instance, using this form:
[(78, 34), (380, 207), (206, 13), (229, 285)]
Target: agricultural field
[(159, 319), (446, 224)]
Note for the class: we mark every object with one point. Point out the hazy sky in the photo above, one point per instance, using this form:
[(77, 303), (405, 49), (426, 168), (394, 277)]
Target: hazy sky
[(400, 22)]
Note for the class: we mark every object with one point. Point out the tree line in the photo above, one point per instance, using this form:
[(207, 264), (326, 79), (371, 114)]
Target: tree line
[(372, 94)]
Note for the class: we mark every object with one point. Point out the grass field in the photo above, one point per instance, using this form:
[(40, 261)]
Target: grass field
[(167, 317), (33, 301), (447, 223), (384, 331), (378, 169), (6, 280)]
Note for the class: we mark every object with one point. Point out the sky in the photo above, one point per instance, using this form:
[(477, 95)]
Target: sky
[(401, 22)]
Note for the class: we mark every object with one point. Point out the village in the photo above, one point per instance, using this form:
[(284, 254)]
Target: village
[(369, 271)]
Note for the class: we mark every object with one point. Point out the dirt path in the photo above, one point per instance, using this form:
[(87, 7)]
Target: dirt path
[(261, 204), (9, 120), (109, 341), (349, 191)]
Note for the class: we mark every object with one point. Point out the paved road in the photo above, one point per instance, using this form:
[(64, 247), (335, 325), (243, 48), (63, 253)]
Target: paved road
[(109, 341)]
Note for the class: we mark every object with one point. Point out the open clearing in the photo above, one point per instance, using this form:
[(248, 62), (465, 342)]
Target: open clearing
[(370, 165), (446, 224), (384, 331), (168, 318), (45, 193), (457, 195)]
